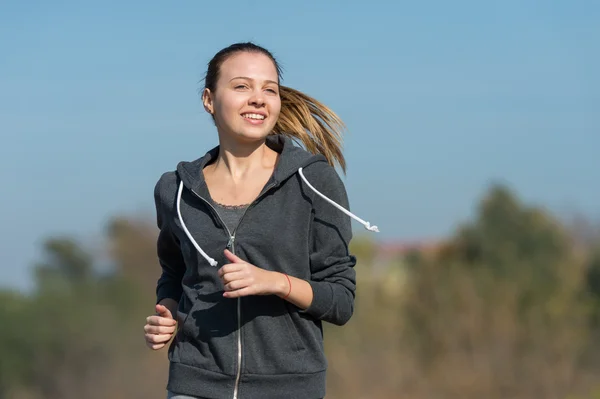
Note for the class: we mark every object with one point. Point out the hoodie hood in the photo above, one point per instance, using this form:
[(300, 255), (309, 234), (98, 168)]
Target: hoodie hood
[(293, 159)]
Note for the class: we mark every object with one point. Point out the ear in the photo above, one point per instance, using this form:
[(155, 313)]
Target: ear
[(207, 101)]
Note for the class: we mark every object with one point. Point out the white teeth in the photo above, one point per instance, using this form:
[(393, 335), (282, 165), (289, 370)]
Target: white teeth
[(254, 116)]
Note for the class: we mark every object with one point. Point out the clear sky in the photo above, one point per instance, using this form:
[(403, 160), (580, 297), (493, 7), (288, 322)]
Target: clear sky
[(97, 99)]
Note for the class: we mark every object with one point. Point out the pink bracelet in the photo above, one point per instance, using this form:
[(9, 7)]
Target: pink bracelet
[(290, 283)]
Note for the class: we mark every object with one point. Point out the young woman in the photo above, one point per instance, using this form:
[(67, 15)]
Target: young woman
[(253, 241)]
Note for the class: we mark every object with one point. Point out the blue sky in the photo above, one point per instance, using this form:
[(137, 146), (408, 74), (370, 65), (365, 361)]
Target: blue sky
[(440, 98)]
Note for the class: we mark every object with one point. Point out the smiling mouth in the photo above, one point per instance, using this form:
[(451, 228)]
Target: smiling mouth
[(258, 117)]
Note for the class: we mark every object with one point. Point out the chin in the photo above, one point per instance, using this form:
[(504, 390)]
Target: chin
[(253, 135)]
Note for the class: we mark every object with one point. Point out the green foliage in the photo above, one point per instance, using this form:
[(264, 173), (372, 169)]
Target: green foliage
[(66, 264), (506, 232), (77, 331), (496, 312), (15, 338)]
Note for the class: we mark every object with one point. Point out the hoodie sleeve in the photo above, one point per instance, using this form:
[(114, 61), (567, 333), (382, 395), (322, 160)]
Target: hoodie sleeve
[(333, 278), (168, 249)]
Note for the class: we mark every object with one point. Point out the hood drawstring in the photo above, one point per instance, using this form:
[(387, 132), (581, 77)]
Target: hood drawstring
[(341, 208), (213, 262), (187, 232)]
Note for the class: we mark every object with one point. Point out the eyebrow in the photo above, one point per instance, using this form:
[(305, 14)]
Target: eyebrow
[(247, 78)]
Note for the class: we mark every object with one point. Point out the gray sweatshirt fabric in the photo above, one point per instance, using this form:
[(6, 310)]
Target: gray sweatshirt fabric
[(255, 346)]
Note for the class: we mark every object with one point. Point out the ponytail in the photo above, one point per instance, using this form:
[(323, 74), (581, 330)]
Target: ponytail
[(314, 124)]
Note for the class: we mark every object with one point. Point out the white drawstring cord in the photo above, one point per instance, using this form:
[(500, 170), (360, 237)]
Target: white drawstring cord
[(208, 258), (341, 208), (213, 262)]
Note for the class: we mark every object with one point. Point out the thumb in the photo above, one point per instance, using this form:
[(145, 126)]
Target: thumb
[(232, 258), (163, 311)]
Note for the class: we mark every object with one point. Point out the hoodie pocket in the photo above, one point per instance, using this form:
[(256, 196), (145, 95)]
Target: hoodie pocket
[(292, 331), (273, 342), (206, 336)]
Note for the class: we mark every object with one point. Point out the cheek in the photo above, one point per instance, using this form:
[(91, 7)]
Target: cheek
[(229, 103), (275, 109), (227, 107)]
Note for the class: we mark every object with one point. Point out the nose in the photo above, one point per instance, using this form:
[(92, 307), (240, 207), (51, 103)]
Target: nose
[(257, 99)]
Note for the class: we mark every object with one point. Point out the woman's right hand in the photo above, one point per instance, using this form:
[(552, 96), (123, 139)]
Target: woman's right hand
[(159, 328)]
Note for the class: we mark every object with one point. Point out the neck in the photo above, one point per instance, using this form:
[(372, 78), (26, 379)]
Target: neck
[(238, 159)]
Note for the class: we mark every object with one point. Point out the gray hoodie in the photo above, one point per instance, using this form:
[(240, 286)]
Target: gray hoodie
[(255, 346)]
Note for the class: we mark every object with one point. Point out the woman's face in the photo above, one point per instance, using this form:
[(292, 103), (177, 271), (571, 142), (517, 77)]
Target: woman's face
[(245, 102)]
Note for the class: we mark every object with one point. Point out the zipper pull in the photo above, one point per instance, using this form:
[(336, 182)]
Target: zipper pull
[(230, 242)]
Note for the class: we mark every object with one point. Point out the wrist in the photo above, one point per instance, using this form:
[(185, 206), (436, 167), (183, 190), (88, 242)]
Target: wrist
[(282, 286)]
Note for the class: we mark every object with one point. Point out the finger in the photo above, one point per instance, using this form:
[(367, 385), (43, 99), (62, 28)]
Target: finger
[(233, 276), (163, 311), (158, 338), (233, 258), (230, 268), (236, 285), (155, 346), (150, 329), (239, 293), (160, 321)]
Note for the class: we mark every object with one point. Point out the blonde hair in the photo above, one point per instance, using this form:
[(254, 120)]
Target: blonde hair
[(312, 123), (302, 117)]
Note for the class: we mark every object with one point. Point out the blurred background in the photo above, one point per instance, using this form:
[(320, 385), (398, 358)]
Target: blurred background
[(473, 142)]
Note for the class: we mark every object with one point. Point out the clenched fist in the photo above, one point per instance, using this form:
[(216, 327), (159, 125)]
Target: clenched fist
[(159, 328)]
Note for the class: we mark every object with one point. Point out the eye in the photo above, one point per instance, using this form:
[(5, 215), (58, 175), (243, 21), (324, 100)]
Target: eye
[(273, 91), (239, 87)]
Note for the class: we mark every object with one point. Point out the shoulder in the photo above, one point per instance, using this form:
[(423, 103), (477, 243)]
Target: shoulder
[(166, 187), (325, 179), (323, 175)]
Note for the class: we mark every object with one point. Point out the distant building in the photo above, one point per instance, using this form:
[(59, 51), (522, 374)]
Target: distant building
[(398, 250)]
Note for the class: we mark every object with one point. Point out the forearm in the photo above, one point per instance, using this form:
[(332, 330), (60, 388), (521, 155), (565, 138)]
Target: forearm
[(295, 290), (329, 298), (169, 285)]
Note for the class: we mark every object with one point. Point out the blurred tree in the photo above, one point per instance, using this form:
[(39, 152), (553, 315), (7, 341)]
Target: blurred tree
[(65, 265), (15, 348), (132, 247), (80, 332), (501, 303), (506, 230)]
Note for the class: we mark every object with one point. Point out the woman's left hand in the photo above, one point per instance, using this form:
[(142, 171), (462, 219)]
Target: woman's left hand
[(240, 278)]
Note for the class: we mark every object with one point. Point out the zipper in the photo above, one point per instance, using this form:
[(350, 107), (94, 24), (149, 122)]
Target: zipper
[(238, 373), (239, 300), (231, 247)]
